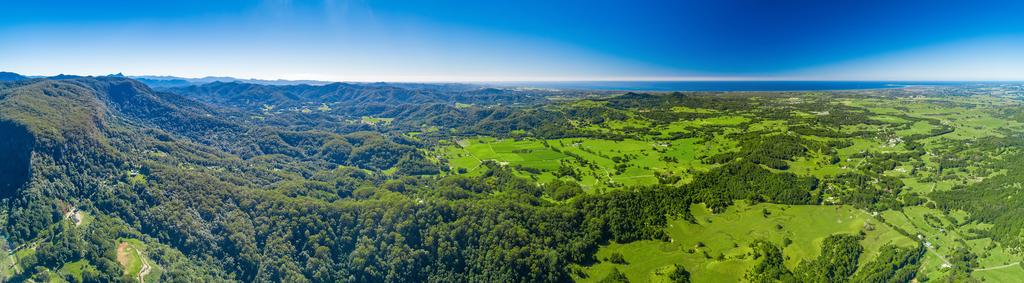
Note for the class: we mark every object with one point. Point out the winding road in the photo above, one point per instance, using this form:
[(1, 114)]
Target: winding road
[(145, 267)]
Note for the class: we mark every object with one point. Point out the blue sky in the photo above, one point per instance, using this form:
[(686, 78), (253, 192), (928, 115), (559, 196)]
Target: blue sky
[(444, 40)]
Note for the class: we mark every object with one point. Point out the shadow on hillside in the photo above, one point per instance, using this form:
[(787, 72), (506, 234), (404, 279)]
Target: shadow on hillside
[(15, 157)]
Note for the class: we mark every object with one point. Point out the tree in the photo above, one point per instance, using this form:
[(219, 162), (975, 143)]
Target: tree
[(836, 263), (615, 276), (770, 267), (617, 258), (679, 274)]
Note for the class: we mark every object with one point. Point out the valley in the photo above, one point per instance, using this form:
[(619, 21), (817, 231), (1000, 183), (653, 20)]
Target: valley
[(420, 182)]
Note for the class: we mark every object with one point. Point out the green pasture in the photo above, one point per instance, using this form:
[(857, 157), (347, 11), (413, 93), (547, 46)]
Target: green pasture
[(643, 158), (724, 237), (132, 260), (730, 233)]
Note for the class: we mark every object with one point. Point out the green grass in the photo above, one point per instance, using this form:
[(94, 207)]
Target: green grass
[(1010, 274), (731, 232), (86, 219), (815, 165), (132, 262), (6, 268), (646, 157), (376, 120), (684, 109), (12, 264), (75, 269), (23, 253), (973, 119), (945, 240)]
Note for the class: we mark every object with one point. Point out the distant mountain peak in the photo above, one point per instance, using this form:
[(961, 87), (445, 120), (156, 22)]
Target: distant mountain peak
[(172, 81), (10, 77)]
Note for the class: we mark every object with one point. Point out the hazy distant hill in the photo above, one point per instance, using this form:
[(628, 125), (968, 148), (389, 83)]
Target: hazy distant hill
[(172, 81), (8, 76), (380, 95)]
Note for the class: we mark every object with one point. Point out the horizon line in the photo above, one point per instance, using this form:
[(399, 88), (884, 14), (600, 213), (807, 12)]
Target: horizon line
[(484, 80)]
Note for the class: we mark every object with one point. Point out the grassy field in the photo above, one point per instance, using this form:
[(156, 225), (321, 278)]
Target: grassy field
[(7, 265), (642, 158), (24, 253), (945, 236), (131, 254), (75, 269), (679, 148), (1008, 274), (376, 120), (698, 245)]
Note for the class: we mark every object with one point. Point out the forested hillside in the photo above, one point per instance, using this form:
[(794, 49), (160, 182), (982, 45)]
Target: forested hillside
[(106, 179)]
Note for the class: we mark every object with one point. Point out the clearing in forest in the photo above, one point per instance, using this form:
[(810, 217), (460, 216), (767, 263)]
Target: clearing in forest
[(136, 265)]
